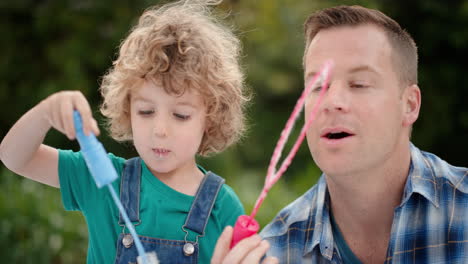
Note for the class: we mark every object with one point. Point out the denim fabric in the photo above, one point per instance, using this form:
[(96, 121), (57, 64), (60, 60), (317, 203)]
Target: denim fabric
[(429, 226), (203, 203), (168, 251), (130, 182)]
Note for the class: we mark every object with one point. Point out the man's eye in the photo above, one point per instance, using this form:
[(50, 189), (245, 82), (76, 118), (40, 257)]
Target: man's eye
[(181, 116), (145, 112), (317, 88), (359, 85)]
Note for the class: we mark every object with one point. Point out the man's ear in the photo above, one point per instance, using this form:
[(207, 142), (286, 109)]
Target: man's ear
[(412, 104)]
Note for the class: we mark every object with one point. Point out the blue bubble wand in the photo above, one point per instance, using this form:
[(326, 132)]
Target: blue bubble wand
[(104, 173)]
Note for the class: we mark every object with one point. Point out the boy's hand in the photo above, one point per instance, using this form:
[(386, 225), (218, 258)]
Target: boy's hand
[(249, 250), (59, 112)]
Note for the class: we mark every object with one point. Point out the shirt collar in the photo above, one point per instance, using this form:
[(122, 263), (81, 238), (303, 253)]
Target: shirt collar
[(421, 178), (322, 234)]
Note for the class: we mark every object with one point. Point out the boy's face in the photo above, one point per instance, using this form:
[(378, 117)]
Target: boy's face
[(167, 130), (363, 122)]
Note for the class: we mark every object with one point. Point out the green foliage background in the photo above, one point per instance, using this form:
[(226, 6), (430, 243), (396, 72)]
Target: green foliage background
[(52, 45)]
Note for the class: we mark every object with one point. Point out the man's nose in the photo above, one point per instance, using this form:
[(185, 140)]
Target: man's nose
[(336, 98)]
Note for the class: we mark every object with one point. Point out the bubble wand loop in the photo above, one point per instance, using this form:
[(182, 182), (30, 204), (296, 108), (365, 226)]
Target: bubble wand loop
[(246, 225), (272, 176)]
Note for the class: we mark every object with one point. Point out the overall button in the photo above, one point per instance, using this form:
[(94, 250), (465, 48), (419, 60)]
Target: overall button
[(127, 241), (188, 249)]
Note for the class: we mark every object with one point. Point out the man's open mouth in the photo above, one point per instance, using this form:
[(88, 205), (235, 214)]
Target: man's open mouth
[(337, 135)]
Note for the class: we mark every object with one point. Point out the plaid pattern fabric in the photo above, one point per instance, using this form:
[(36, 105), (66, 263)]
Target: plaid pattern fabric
[(429, 226)]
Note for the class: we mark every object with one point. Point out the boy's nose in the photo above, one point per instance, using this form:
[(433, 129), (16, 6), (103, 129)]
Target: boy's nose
[(160, 127)]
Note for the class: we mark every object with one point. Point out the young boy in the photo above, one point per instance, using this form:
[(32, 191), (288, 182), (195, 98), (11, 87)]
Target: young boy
[(175, 91)]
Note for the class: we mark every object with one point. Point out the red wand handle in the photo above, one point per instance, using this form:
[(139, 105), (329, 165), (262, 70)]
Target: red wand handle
[(245, 226)]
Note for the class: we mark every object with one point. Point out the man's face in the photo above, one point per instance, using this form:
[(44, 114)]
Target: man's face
[(363, 122)]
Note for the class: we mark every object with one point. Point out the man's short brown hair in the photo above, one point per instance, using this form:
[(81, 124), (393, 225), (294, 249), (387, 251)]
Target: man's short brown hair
[(405, 50)]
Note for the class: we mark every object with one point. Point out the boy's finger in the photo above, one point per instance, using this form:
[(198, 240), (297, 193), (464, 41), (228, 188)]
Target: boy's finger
[(82, 105), (270, 260), (222, 246), (95, 127), (66, 115), (56, 120)]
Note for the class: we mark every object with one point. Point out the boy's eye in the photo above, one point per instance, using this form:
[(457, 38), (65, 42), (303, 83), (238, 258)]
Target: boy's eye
[(181, 116), (145, 112)]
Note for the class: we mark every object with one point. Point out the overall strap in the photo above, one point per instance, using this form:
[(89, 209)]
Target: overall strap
[(130, 189), (203, 203)]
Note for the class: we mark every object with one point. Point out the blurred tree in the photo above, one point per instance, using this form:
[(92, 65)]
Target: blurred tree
[(440, 33), (53, 45)]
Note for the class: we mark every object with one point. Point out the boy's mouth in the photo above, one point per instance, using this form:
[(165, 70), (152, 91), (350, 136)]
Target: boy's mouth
[(161, 152)]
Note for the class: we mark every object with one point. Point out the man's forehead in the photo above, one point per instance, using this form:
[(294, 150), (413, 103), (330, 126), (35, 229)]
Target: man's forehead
[(353, 49), (351, 70), (347, 39)]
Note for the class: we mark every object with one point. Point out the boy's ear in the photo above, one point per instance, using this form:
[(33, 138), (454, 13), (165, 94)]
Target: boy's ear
[(412, 104)]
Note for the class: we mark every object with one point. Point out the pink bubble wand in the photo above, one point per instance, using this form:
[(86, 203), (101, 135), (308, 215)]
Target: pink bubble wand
[(247, 225)]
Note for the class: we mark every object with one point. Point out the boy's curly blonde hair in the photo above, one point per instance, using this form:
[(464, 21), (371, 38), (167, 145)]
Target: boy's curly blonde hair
[(180, 46)]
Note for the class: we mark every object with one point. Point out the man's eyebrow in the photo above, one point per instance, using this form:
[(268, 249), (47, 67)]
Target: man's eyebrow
[(364, 68), (360, 68), (309, 76)]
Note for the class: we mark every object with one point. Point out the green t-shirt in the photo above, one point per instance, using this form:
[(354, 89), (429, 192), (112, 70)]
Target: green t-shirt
[(163, 210)]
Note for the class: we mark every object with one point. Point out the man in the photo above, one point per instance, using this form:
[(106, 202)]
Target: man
[(380, 199)]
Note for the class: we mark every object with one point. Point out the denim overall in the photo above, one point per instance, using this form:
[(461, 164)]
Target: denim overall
[(168, 251)]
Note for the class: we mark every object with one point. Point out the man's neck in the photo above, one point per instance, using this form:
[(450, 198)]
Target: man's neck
[(363, 206)]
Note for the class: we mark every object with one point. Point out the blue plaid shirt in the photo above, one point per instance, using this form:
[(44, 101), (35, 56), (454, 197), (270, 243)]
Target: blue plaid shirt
[(429, 226)]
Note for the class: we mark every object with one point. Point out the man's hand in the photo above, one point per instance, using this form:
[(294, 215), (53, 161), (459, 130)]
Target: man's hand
[(249, 250)]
